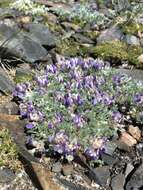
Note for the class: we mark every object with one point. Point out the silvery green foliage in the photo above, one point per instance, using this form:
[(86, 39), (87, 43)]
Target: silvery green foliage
[(120, 5), (83, 13), (74, 105), (29, 7)]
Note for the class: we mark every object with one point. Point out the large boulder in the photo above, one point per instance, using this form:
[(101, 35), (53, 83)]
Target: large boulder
[(41, 34), (113, 33), (17, 44)]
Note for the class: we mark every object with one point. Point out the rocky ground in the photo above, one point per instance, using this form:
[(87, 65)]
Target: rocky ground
[(28, 42)]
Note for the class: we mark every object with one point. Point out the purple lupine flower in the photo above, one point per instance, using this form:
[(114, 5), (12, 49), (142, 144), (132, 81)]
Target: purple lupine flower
[(23, 109), (68, 101), (59, 117), (94, 101), (78, 85), (61, 138), (29, 126), (98, 143), (51, 69), (117, 116), (78, 100), (36, 116), (138, 98), (107, 100), (60, 148), (42, 82), (92, 154), (20, 91), (97, 64), (30, 106), (78, 121), (50, 126), (117, 79)]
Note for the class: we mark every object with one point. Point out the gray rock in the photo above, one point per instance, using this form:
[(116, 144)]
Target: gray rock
[(6, 85), (136, 180), (136, 74), (113, 33), (118, 182), (41, 33), (107, 159), (6, 175), (132, 40), (67, 169), (82, 39), (102, 174), (10, 108), (57, 167), (19, 45), (110, 148)]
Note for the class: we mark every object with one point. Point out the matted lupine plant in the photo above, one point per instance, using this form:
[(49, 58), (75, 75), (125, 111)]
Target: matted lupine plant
[(76, 105)]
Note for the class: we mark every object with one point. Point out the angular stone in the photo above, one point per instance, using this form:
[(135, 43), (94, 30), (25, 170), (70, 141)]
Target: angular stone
[(127, 139), (17, 44), (10, 108), (118, 182), (6, 84), (6, 175), (140, 58), (102, 174), (67, 169), (107, 159), (82, 39), (132, 40), (110, 148), (136, 180), (113, 33), (128, 170), (41, 34), (136, 74), (135, 132), (57, 167)]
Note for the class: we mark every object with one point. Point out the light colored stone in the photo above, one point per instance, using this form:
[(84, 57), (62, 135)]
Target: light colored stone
[(140, 58), (127, 139), (135, 132)]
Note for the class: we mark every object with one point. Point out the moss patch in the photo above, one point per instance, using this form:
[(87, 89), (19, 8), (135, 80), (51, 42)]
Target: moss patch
[(5, 3), (116, 52), (23, 78), (70, 48), (132, 28), (8, 151)]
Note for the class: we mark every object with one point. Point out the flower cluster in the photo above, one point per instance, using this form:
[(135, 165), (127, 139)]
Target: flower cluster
[(29, 7), (74, 105), (83, 13)]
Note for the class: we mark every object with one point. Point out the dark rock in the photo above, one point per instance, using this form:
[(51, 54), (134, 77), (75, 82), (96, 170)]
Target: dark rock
[(82, 39), (113, 33), (132, 40), (67, 169), (6, 85), (107, 159), (16, 43), (118, 182), (41, 34), (123, 146), (6, 175), (57, 167), (102, 175), (10, 108), (136, 180), (110, 148)]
